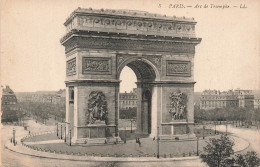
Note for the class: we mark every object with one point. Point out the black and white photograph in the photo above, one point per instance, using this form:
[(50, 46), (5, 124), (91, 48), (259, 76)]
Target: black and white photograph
[(110, 83)]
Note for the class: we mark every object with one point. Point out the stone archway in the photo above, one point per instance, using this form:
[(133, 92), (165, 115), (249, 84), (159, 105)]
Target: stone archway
[(146, 73), (159, 49)]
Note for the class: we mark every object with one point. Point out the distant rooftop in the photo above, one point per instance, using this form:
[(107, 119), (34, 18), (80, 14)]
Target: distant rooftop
[(7, 91)]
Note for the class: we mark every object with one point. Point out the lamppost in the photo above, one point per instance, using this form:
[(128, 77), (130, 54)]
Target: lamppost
[(60, 131), (14, 136), (215, 128), (65, 133), (132, 120), (70, 137), (203, 132), (125, 136), (197, 146), (158, 141), (57, 130), (226, 128)]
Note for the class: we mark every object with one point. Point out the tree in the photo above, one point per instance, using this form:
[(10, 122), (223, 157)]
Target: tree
[(217, 151), (250, 159)]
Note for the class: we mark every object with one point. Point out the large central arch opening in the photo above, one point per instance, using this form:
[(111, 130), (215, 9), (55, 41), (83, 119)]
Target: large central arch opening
[(141, 96)]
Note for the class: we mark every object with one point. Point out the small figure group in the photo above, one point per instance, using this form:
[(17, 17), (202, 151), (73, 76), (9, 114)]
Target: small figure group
[(138, 141)]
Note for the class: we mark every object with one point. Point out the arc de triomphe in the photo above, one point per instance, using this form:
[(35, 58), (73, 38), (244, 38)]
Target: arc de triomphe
[(159, 49)]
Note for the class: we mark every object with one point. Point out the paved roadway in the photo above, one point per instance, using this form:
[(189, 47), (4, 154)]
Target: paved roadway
[(12, 159), (250, 135)]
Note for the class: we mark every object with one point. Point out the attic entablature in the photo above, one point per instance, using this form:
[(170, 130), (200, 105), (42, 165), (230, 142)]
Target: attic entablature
[(130, 22)]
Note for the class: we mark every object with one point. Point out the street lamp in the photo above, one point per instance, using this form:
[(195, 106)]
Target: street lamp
[(197, 146), (70, 137), (14, 136), (132, 120), (65, 133), (158, 141), (57, 130), (226, 129), (215, 128), (60, 131), (203, 132), (125, 136)]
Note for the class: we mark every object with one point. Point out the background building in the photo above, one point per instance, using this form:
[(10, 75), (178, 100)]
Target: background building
[(211, 99), (8, 105), (257, 101), (128, 100)]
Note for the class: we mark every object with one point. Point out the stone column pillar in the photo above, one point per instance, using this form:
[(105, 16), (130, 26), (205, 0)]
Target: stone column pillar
[(139, 126), (116, 109), (75, 136), (159, 108), (154, 113), (67, 110)]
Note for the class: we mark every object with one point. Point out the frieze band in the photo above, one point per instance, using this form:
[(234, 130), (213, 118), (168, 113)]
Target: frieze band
[(127, 44)]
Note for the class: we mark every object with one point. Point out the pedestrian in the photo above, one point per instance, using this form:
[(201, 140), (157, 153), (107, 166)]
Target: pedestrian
[(136, 140), (139, 142), (29, 133)]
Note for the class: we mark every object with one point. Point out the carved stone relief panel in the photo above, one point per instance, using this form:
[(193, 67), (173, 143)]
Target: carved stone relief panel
[(97, 108), (71, 67), (178, 105), (96, 65), (178, 68)]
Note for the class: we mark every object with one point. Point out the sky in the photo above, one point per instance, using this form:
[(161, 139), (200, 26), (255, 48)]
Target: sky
[(32, 58)]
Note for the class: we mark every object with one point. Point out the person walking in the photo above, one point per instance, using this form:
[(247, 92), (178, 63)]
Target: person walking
[(139, 142)]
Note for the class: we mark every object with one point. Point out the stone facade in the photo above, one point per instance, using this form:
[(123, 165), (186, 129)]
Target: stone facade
[(159, 49), (128, 100), (211, 99), (9, 106), (257, 101)]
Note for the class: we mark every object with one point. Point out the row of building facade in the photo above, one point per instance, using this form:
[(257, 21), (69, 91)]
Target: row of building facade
[(211, 99), (128, 100), (9, 106)]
